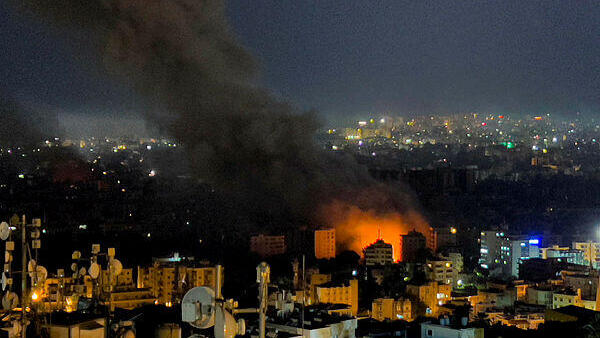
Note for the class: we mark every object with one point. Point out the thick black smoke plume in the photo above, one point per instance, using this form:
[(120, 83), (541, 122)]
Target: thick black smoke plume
[(19, 126), (181, 55)]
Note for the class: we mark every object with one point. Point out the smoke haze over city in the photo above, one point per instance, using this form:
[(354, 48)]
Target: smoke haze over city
[(385, 165), (353, 58)]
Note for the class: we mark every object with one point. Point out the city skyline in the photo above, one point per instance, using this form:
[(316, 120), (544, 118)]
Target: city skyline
[(347, 60), (391, 168)]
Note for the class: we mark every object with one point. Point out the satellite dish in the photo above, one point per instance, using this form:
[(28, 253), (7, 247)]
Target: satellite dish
[(35, 234), (225, 324), (116, 267), (41, 274), (128, 334), (82, 271), (4, 281), (16, 328), (74, 267), (198, 307), (4, 231), (37, 273), (94, 270), (10, 301)]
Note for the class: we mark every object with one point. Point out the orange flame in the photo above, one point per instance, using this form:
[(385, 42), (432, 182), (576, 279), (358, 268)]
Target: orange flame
[(356, 228)]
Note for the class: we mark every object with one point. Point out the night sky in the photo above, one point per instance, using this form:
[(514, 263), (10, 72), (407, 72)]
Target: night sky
[(350, 58)]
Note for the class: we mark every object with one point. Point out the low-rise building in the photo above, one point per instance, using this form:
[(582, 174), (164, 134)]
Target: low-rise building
[(529, 321), (392, 309), (591, 252), (586, 282), (566, 254), (441, 270), (432, 295), (347, 294), (493, 298), (168, 283), (568, 297), (429, 330), (540, 295), (316, 322)]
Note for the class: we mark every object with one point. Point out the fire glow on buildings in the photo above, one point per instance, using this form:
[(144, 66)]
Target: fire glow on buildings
[(356, 229)]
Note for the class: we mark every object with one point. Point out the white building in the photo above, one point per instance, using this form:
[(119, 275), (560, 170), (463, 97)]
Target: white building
[(429, 330)]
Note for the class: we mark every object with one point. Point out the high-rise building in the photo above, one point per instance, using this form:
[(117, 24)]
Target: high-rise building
[(267, 246), (411, 244), (441, 237), (502, 254), (325, 244), (379, 253), (493, 249), (522, 249), (591, 252)]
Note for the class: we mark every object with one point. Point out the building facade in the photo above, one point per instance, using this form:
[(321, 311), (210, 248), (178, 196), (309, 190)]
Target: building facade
[(432, 295), (346, 294), (267, 246), (429, 330), (441, 271), (392, 309), (411, 245), (379, 253), (441, 237), (325, 244), (564, 254), (169, 283), (502, 254), (591, 252)]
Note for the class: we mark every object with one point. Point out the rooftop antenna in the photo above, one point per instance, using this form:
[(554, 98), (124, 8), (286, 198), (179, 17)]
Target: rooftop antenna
[(303, 290), (10, 299), (36, 272), (202, 307)]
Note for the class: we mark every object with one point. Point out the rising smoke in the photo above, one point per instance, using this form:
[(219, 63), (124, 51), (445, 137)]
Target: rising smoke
[(181, 55), (19, 125)]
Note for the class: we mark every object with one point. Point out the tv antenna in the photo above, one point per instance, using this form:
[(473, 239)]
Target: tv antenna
[(37, 273), (203, 307)]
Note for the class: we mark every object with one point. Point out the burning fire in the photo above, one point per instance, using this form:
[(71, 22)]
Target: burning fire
[(356, 228)]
